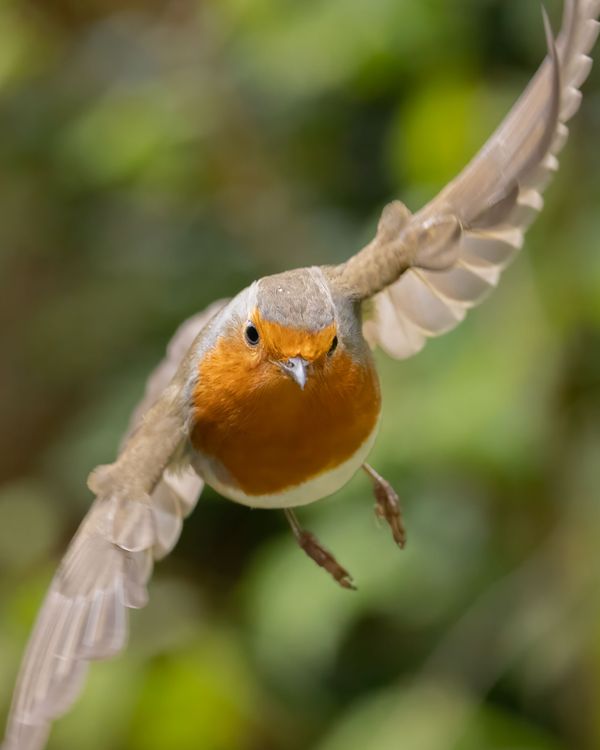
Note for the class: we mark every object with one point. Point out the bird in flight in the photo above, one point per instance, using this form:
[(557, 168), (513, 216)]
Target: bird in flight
[(272, 398)]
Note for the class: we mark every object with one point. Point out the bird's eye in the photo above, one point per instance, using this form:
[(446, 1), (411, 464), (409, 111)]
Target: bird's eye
[(252, 336), (333, 346)]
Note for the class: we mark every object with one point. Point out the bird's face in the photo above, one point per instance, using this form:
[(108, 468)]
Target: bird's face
[(288, 352), (290, 335)]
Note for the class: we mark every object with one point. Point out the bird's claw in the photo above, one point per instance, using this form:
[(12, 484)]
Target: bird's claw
[(324, 559), (387, 506), (315, 550)]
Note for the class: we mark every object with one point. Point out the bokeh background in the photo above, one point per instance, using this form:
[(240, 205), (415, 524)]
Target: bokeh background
[(158, 154)]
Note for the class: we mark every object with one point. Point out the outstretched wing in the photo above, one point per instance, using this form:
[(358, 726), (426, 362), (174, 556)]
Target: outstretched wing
[(427, 270), (141, 501)]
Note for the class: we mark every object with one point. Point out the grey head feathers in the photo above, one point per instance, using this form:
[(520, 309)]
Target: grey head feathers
[(297, 299)]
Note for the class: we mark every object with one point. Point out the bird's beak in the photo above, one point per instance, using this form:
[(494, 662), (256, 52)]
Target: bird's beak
[(296, 368)]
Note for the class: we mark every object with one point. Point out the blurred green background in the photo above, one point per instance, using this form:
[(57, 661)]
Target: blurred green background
[(156, 155)]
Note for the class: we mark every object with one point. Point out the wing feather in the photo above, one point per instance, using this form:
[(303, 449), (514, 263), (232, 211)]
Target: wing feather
[(495, 199), (108, 564)]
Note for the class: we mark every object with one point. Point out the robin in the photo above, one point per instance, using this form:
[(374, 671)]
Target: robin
[(272, 398)]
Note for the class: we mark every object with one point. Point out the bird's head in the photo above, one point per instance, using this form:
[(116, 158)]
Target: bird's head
[(291, 330)]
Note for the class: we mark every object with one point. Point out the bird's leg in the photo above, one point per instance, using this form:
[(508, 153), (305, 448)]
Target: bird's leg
[(387, 505), (315, 550)]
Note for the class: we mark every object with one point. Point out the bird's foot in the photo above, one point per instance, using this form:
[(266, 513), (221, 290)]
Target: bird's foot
[(315, 550), (387, 505)]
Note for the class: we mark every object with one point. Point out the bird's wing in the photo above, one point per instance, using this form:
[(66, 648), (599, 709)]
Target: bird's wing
[(426, 270), (141, 501)]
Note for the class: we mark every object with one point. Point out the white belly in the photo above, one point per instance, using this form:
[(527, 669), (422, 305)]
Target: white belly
[(302, 494)]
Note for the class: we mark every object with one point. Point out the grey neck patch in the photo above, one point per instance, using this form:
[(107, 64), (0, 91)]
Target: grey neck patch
[(298, 299)]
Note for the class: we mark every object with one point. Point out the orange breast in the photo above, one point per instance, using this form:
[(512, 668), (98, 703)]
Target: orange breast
[(268, 433)]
